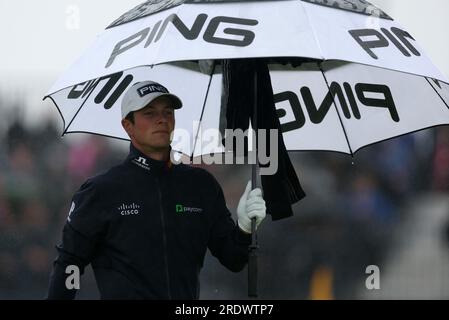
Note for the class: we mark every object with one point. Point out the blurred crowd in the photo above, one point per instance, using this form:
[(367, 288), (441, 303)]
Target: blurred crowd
[(346, 223), (39, 172)]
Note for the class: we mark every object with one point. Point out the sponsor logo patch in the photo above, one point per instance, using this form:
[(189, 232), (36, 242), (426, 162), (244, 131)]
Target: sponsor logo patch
[(129, 209), (180, 209), (141, 162)]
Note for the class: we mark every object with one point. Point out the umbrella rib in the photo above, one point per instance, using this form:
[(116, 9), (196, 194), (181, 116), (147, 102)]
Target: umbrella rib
[(82, 105), (336, 109), (202, 111), (100, 135), (313, 30), (437, 92), (59, 111), (401, 135)]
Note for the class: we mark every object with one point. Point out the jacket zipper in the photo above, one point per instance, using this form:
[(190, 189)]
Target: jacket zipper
[(164, 237)]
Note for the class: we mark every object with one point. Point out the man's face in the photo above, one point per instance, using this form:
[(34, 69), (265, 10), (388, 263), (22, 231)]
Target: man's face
[(153, 125)]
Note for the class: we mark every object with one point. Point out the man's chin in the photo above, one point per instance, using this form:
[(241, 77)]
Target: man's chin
[(161, 147)]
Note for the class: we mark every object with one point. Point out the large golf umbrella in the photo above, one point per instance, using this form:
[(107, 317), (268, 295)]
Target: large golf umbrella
[(371, 80), (361, 79)]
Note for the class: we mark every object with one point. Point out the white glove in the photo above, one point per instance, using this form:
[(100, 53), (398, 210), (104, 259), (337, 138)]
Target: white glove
[(251, 205)]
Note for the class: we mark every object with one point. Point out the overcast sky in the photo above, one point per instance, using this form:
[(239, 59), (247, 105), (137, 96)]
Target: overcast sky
[(41, 38)]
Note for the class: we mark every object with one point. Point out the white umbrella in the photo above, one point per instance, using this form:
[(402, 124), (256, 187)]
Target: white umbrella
[(388, 69)]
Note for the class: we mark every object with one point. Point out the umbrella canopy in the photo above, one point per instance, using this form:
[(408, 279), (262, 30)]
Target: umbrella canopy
[(195, 30), (370, 81)]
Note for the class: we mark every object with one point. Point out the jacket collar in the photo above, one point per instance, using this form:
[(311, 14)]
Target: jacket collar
[(142, 161)]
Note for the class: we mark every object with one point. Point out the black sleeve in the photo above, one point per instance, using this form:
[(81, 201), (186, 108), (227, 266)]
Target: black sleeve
[(81, 234), (227, 242)]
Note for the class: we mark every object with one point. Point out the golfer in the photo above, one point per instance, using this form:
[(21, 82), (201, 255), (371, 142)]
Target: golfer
[(145, 225)]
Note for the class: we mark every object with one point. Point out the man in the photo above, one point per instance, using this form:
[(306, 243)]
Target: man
[(145, 225)]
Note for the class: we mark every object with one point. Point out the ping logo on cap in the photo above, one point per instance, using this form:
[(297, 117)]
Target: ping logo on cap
[(151, 88)]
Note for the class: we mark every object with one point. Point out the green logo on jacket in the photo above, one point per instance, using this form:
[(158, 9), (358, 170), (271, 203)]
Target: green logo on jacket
[(183, 209)]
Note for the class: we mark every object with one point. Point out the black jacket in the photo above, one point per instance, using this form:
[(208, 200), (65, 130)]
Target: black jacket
[(145, 227)]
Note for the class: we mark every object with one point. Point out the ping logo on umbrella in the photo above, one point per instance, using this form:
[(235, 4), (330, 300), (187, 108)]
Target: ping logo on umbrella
[(361, 93), (154, 33), (344, 92), (109, 90), (370, 39)]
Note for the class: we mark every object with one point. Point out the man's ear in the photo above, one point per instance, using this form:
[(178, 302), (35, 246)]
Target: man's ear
[(128, 126)]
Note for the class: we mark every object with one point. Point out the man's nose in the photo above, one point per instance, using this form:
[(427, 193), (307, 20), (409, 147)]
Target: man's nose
[(162, 117)]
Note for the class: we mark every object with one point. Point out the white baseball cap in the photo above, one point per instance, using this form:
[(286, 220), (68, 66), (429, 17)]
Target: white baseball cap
[(142, 93)]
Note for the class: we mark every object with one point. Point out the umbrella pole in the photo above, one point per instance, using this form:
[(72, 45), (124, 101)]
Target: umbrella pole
[(252, 250)]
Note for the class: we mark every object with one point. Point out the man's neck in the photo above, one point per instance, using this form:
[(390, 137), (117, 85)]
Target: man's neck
[(155, 154)]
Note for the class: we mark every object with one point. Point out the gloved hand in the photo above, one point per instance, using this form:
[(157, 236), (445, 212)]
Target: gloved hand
[(251, 205)]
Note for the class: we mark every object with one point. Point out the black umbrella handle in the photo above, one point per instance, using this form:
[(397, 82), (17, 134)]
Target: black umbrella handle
[(252, 250), (252, 271)]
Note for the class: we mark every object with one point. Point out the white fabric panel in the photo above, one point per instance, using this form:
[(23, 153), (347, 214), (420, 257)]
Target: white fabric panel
[(331, 28), (94, 118), (415, 101), (92, 63), (326, 135), (207, 137), (282, 30)]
